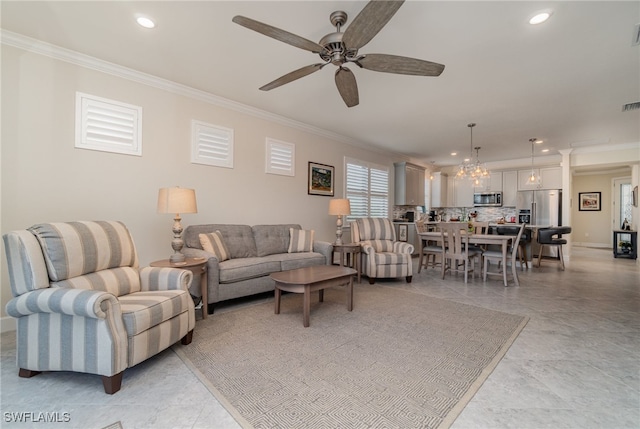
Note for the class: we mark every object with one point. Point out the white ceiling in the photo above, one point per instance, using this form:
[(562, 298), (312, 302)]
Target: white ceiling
[(563, 81)]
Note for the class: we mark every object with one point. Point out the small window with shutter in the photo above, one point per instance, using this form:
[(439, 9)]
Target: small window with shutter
[(280, 157), (211, 145), (108, 125)]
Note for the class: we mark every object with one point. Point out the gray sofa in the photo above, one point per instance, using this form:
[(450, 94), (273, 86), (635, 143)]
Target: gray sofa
[(255, 252)]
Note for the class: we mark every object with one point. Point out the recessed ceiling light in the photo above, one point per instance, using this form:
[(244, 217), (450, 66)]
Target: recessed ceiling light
[(545, 150), (145, 22), (454, 153), (540, 17), (539, 141)]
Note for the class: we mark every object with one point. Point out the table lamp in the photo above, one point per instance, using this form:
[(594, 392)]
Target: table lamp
[(177, 200), (339, 207)]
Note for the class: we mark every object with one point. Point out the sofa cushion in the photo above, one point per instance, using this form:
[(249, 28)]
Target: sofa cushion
[(300, 240), (235, 270), (238, 238), (143, 310), (272, 239), (214, 243), (72, 249), (117, 281), (292, 261)]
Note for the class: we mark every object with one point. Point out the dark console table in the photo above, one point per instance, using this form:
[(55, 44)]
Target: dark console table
[(620, 236)]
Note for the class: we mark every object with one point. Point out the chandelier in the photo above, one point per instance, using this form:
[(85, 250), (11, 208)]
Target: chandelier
[(533, 179), (473, 170)]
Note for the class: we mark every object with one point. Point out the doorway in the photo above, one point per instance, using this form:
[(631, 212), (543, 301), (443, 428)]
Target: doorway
[(622, 202)]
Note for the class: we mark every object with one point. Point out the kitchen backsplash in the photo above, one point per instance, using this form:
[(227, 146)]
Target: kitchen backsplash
[(490, 214)]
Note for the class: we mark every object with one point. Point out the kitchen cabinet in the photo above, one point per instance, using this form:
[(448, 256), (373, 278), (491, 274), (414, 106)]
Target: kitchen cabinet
[(439, 190), (463, 193), (409, 184), (493, 184), (550, 178), (509, 188)]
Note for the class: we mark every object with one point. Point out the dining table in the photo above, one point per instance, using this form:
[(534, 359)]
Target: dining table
[(481, 239)]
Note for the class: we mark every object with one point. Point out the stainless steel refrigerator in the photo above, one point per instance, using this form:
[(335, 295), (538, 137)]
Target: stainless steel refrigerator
[(545, 207)]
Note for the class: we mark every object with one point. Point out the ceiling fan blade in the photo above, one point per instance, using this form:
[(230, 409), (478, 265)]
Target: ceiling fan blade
[(369, 22), (290, 77), (347, 86), (278, 34), (400, 65)]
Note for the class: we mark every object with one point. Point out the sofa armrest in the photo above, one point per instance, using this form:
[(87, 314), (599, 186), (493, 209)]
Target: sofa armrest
[(402, 247), (156, 278), (73, 302), (325, 248)]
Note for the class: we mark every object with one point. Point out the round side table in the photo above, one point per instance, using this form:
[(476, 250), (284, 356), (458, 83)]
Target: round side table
[(350, 254), (196, 266)]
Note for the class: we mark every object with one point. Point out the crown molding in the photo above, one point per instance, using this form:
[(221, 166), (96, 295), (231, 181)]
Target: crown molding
[(39, 47)]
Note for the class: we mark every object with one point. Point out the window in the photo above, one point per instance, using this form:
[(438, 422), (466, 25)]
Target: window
[(280, 158), (367, 189), (211, 145), (108, 125)]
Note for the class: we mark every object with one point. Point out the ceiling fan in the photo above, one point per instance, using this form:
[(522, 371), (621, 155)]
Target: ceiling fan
[(340, 49)]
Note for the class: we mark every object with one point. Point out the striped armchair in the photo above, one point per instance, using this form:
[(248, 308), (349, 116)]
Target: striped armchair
[(83, 305), (384, 257)]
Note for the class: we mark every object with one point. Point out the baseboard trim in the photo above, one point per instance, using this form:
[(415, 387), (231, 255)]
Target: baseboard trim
[(7, 324), (586, 244)]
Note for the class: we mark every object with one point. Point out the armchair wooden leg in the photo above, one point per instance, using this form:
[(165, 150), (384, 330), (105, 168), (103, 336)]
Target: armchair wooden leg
[(210, 308), (112, 384), (27, 373), (186, 340), (372, 280), (409, 278)]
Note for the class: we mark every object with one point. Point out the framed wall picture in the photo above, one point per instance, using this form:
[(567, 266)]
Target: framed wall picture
[(321, 179), (589, 201), (403, 232)]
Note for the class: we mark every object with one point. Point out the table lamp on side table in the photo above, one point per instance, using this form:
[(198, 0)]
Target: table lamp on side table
[(339, 207), (177, 200)]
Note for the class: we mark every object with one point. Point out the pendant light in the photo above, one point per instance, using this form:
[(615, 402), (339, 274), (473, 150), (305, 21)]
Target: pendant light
[(534, 179), (475, 171)]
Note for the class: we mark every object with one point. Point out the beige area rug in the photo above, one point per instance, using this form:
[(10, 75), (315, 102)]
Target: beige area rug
[(398, 360)]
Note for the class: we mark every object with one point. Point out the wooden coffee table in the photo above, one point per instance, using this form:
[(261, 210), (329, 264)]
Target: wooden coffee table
[(311, 279)]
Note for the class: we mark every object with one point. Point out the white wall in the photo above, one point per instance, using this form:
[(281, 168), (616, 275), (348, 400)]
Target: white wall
[(45, 179)]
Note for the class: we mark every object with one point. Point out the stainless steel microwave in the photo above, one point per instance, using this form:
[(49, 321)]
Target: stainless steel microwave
[(487, 199)]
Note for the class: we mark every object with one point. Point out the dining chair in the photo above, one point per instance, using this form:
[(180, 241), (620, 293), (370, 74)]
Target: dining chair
[(430, 252), (455, 249), (522, 243), (503, 260), (478, 227)]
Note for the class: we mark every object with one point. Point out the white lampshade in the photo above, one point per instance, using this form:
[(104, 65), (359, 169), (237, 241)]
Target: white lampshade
[(339, 206), (177, 200)]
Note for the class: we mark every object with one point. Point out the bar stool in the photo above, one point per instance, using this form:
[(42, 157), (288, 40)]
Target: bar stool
[(553, 237)]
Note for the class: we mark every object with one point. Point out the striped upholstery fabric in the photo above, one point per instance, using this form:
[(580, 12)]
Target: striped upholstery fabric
[(117, 281), (75, 248), (300, 240), (384, 257), (214, 243), (83, 305)]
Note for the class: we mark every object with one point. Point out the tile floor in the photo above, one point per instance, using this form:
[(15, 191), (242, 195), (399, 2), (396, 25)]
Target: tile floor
[(575, 365)]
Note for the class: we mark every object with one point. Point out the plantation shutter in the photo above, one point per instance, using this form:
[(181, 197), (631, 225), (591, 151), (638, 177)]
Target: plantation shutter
[(211, 145), (108, 125), (367, 189), (280, 158)]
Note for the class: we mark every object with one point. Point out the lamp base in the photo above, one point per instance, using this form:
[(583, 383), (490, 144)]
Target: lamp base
[(177, 258)]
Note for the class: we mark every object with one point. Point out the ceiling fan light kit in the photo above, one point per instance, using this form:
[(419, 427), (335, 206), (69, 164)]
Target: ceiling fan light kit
[(341, 48)]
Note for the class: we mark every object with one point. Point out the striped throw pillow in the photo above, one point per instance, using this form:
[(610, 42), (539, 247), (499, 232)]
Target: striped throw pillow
[(300, 240), (214, 243)]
